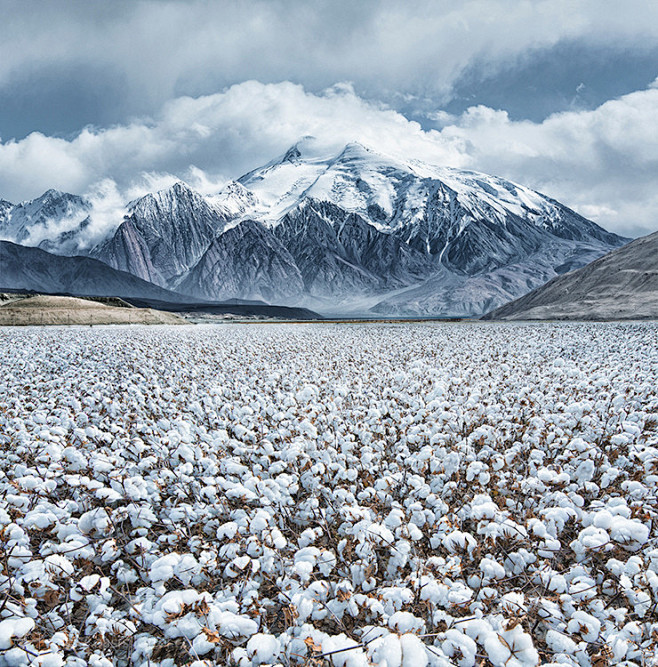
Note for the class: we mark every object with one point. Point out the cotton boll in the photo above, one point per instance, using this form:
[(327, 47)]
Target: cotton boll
[(457, 541), (585, 625), (513, 603), (387, 651), (631, 534), (560, 643), (96, 523), (14, 628), (263, 649), (414, 653), (460, 648), (404, 622)]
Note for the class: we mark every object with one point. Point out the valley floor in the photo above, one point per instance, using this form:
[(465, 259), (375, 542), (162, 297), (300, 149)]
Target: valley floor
[(390, 494)]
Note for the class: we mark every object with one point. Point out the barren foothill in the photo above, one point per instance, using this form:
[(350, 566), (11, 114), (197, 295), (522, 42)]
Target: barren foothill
[(62, 310)]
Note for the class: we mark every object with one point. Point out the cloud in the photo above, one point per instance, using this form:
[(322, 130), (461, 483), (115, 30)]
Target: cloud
[(131, 56), (603, 162)]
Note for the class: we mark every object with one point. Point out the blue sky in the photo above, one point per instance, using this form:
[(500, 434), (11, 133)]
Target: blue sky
[(119, 96)]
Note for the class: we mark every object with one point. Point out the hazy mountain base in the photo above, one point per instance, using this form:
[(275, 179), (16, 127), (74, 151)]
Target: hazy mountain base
[(620, 285)]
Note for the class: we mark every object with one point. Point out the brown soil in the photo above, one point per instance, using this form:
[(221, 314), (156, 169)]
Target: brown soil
[(62, 310)]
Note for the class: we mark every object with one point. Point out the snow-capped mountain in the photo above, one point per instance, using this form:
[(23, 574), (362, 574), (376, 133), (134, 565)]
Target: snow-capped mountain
[(52, 222), (350, 232)]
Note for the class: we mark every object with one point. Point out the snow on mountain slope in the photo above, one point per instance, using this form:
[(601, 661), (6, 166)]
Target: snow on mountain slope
[(5, 209), (246, 261), (52, 221), (392, 194)]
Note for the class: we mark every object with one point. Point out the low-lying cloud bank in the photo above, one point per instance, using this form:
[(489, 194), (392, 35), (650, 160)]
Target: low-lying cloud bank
[(603, 162)]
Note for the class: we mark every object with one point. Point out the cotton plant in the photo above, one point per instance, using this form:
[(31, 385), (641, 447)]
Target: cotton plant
[(438, 494)]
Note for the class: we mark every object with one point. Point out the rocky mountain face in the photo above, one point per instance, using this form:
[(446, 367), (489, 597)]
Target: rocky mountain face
[(164, 235), (246, 261), (352, 232), (620, 285)]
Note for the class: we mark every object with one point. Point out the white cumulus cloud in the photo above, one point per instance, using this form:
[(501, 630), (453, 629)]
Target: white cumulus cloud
[(603, 163)]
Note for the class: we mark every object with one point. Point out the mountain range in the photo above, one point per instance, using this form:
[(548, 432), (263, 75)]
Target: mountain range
[(355, 232)]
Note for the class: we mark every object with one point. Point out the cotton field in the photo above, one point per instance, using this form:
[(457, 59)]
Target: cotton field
[(383, 494)]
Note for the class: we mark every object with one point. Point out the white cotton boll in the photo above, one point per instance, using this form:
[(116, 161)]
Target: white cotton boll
[(460, 648), (585, 625), (557, 583), (640, 600), (274, 538), (307, 537), (560, 643), (186, 568), (497, 652), (386, 651), (11, 628), (414, 653), (346, 652), (602, 519), (162, 569), (227, 531), (404, 621), (96, 523), (394, 518), (303, 569), (233, 625), (457, 541), (619, 647), (415, 533), (239, 566), (631, 534), (49, 660), (326, 562), (380, 534), (202, 645), (89, 581), (513, 603), (39, 519), (521, 652), (58, 566), (263, 649), (585, 471), (482, 507), (491, 569), (109, 551), (308, 430), (590, 538)]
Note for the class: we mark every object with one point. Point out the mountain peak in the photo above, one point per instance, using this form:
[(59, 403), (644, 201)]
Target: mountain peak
[(356, 148), (293, 154), (180, 187), (302, 150), (52, 192)]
